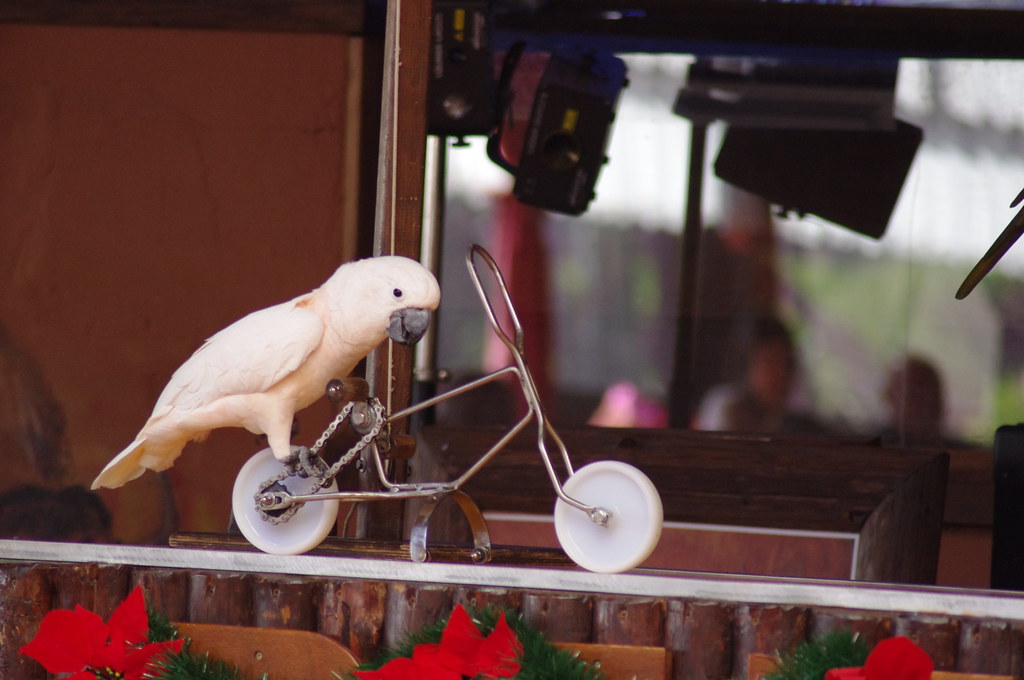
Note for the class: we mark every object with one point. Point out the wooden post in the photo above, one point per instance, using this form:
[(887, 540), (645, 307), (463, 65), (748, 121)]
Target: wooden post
[(900, 541), (25, 597), (990, 647), (403, 134), (629, 621), (772, 629), (166, 591), (353, 613), (411, 606), (399, 213), (700, 637), (220, 597), (282, 602), (562, 618), (939, 636), (481, 598), (871, 627), (98, 588)]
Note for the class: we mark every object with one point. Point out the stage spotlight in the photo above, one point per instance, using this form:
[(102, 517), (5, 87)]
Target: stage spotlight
[(566, 138), (462, 88)]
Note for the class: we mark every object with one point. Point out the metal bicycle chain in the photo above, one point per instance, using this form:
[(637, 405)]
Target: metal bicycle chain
[(325, 476)]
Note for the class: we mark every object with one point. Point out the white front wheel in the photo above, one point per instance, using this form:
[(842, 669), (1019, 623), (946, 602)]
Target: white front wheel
[(632, 531), (301, 532)]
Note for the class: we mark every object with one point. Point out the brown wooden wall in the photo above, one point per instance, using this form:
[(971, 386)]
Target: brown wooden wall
[(158, 185), (708, 639)]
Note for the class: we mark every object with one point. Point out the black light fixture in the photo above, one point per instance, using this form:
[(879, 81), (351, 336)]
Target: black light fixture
[(461, 99), (566, 138), (811, 138), (852, 178)]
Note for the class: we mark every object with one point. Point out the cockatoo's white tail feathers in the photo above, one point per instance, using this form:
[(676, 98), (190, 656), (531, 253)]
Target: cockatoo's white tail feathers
[(133, 462), (123, 468)]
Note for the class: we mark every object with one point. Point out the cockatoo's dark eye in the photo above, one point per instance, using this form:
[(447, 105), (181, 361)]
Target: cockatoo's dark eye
[(397, 292)]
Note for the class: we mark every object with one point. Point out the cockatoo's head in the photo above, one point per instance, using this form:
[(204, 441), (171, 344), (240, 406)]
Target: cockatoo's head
[(398, 293)]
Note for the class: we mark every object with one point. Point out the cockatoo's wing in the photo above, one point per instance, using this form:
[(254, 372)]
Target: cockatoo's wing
[(248, 356)]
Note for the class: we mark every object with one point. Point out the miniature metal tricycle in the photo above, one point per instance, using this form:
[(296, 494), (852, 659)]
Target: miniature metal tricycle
[(607, 516)]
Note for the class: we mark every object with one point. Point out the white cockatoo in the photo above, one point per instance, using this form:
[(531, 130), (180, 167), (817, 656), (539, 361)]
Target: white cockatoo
[(260, 370)]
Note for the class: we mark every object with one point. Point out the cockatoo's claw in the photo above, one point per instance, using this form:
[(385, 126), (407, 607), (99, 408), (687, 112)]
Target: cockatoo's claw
[(304, 463)]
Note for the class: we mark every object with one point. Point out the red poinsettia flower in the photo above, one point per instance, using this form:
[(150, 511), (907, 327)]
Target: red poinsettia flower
[(77, 641), (498, 653), (462, 652), (894, 658), (404, 668), (898, 659), (464, 648), (422, 666)]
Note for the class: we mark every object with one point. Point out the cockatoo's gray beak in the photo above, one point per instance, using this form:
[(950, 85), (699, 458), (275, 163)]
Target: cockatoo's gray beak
[(408, 325)]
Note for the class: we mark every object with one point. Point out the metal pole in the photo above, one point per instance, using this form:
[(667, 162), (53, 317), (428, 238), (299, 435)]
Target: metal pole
[(425, 373), (682, 397)]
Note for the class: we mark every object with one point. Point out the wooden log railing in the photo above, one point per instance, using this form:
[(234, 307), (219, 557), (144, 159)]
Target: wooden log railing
[(710, 624)]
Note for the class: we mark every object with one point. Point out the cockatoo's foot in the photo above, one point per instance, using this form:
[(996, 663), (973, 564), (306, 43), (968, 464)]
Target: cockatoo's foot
[(304, 463)]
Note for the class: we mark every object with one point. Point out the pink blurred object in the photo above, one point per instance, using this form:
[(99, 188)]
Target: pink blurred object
[(623, 405)]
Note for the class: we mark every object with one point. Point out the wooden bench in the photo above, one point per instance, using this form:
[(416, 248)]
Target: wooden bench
[(297, 655), (280, 653)]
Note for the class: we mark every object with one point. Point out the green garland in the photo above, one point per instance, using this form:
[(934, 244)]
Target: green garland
[(540, 660), (811, 660), (187, 665), (160, 627)]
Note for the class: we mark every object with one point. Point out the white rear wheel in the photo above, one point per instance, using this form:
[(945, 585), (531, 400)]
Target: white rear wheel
[(301, 532), (631, 533)]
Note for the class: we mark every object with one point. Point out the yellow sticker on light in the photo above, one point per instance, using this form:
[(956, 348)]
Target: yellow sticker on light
[(570, 119), (459, 24)]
